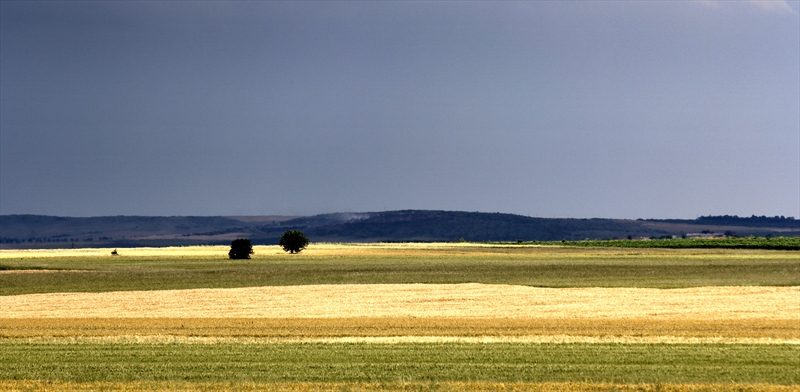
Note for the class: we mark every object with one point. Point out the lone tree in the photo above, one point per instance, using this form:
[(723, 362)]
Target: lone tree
[(241, 249), (293, 241)]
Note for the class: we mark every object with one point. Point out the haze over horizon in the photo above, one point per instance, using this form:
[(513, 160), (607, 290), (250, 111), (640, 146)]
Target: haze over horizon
[(612, 109)]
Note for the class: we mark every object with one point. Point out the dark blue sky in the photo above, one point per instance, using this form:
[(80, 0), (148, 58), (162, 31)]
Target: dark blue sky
[(651, 109)]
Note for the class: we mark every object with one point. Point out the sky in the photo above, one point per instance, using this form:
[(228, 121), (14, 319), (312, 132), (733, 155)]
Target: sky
[(567, 109)]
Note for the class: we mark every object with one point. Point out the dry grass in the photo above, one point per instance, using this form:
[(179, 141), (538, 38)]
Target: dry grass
[(46, 386), (417, 300), (297, 328), (98, 252)]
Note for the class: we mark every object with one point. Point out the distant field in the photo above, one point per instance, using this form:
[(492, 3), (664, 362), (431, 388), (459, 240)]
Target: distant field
[(49, 271), (401, 386), (777, 243), (401, 317)]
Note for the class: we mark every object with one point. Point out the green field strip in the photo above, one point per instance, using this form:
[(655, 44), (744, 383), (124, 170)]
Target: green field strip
[(779, 243), (396, 326), (456, 362), (152, 386), (599, 269)]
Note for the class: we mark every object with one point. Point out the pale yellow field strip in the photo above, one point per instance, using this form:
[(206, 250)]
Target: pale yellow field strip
[(96, 252), (36, 271), (543, 339), (417, 300), (404, 249), (321, 249), (69, 386)]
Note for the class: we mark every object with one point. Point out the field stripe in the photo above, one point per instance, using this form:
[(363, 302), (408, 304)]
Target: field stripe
[(397, 326), (417, 300), (50, 385), (540, 339), (416, 362)]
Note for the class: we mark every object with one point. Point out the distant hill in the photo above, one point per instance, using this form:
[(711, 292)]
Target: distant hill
[(416, 225), (36, 231), (423, 225), (733, 220), (39, 231)]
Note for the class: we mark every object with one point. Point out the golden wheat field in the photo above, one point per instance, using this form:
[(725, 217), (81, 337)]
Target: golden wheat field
[(425, 312), (416, 300)]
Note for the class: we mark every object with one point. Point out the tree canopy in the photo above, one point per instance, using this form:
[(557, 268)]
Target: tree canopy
[(240, 249), (293, 241)]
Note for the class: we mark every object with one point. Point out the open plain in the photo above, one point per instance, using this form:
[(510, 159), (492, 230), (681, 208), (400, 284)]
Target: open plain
[(400, 317)]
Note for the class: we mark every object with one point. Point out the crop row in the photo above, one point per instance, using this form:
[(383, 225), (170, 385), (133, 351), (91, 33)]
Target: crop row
[(457, 362), (290, 328)]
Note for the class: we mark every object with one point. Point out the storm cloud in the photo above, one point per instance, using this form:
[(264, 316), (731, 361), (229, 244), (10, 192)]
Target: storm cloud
[(554, 109)]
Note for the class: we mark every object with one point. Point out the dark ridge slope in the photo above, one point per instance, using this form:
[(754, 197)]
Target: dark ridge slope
[(417, 225), (44, 226), (36, 231)]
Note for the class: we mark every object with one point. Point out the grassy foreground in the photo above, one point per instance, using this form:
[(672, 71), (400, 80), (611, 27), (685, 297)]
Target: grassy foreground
[(333, 363), (432, 263)]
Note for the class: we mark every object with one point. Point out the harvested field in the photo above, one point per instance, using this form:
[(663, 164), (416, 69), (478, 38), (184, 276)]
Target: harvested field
[(417, 300)]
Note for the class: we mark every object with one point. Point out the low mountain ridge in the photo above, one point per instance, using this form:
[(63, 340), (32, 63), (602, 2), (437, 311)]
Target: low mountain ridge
[(36, 231), (416, 225)]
